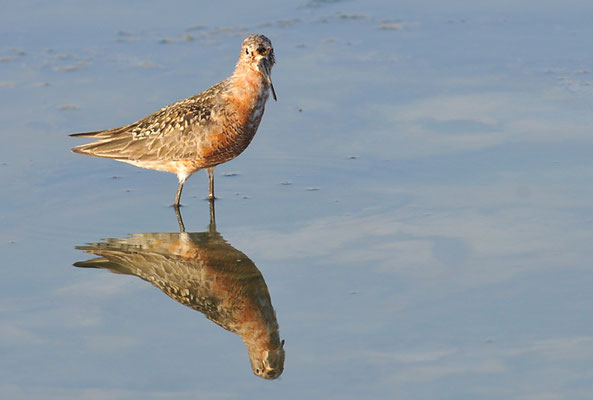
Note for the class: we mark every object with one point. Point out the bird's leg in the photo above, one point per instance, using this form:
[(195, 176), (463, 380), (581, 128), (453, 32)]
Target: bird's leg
[(178, 196), (210, 183), (176, 205)]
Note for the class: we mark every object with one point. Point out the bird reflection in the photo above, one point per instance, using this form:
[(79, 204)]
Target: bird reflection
[(204, 272)]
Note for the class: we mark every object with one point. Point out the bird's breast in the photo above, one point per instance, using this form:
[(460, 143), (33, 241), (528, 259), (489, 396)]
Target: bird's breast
[(247, 100)]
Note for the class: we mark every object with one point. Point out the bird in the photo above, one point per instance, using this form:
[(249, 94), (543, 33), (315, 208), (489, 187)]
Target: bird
[(199, 132)]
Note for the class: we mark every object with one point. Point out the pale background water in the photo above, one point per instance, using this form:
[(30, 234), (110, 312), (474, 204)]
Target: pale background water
[(419, 200)]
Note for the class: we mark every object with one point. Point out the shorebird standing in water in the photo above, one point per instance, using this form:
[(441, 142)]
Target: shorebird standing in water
[(199, 132)]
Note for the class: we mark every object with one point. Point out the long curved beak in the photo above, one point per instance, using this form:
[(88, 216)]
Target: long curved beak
[(266, 65)]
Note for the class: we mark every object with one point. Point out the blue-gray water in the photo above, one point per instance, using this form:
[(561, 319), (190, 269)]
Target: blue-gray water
[(419, 200)]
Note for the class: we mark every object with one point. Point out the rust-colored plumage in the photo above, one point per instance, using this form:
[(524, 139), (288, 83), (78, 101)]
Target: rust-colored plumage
[(199, 132)]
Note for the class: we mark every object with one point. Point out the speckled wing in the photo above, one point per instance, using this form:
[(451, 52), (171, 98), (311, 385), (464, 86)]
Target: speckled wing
[(175, 132)]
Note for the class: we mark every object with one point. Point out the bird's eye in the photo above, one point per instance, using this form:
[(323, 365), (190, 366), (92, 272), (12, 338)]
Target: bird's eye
[(261, 50), (247, 51)]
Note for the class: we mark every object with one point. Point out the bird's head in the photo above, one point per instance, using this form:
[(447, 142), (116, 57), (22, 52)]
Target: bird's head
[(258, 53)]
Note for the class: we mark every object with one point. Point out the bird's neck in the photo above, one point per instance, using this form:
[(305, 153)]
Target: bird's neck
[(248, 83), (248, 92)]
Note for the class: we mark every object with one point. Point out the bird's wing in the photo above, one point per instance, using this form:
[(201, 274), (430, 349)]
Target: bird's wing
[(174, 132), (104, 134)]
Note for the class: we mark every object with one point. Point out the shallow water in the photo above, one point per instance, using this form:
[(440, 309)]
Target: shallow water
[(418, 201)]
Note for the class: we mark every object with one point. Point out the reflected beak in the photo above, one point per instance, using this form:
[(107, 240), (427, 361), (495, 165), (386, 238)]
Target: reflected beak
[(266, 65)]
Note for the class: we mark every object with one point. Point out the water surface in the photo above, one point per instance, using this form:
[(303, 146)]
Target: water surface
[(418, 201)]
